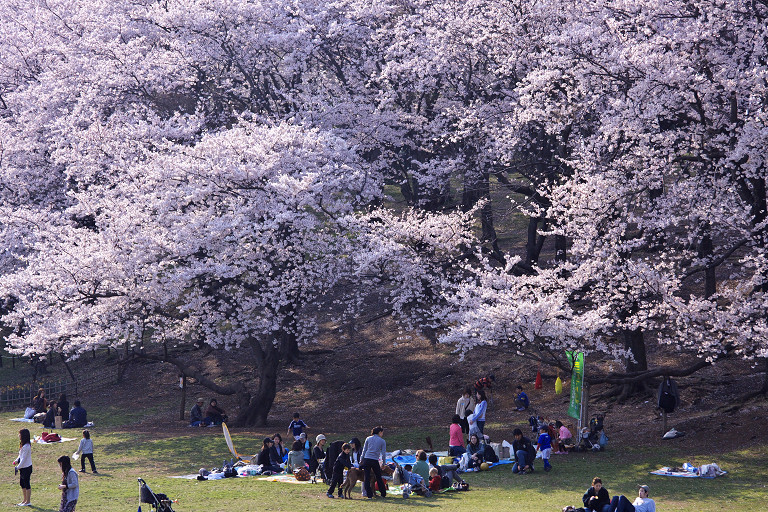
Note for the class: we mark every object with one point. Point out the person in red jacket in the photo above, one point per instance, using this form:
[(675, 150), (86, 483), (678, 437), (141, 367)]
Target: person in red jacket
[(435, 480)]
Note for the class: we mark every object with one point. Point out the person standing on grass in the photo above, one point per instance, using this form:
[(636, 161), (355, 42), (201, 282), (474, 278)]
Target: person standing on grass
[(464, 407), (477, 418), (297, 426), (85, 450), (342, 461), (374, 448), (70, 488), (544, 445), (23, 465), (456, 438)]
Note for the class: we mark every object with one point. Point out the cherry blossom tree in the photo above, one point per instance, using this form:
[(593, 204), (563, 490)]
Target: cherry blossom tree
[(660, 101)]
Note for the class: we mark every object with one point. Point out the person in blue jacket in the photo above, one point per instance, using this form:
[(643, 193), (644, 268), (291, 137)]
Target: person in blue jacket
[(521, 400)]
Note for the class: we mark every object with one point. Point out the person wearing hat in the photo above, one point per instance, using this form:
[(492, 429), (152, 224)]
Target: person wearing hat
[(307, 447), (317, 453), (196, 414), (641, 504), (264, 459), (357, 448)]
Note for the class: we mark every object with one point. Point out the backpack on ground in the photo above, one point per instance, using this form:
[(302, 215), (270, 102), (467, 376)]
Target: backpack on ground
[(489, 455)]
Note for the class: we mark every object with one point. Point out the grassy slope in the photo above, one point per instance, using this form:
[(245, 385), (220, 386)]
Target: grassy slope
[(123, 455)]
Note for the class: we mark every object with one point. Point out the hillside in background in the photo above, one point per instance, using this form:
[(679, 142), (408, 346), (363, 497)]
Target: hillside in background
[(374, 373)]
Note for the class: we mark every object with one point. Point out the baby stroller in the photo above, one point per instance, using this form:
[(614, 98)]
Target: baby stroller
[(408, 488), (158, 502)]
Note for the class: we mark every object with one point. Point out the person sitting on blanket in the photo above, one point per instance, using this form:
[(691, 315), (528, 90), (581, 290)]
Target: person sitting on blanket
[(63, 405), (318, 455), (264, 459), (421, 467), (214, 413), (279, 450), (435, 480), (39, 403), (597, 499), (523, 451), (50, 416), (307, 446), (641, 504), (196, 415), (78, 417), (446, 470), (295, 457), (476, 451), (412, 478)]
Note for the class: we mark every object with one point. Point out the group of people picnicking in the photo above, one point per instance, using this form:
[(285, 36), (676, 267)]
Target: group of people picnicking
[(42, 410), (69, 486)]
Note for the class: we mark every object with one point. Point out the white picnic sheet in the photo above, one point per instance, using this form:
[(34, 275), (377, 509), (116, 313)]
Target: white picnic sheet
[(39, 440)]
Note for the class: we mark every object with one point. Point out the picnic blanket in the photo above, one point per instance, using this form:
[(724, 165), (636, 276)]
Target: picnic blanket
[(411, 459), (24, 420), (689, 471), (39, 440), (284, 478)]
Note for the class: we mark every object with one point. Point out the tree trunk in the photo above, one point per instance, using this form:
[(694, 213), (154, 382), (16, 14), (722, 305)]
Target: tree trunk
[(560, 248), (705, 252), (254, 412), (634, 340)]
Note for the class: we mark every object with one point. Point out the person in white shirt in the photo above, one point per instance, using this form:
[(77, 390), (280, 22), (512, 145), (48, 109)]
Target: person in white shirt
[(23, 465), (641, 504)]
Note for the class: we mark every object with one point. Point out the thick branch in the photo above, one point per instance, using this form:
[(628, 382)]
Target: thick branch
[(189, 371)]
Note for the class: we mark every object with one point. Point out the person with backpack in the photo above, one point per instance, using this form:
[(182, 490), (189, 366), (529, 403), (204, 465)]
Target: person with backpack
[(669, 398)]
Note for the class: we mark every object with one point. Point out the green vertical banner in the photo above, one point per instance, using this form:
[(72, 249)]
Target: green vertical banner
[(576, 360)]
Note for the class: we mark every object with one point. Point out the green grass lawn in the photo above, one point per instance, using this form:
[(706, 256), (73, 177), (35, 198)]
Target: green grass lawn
[(122, 456)]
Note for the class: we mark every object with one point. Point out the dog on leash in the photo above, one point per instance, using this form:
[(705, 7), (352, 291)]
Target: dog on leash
[(355, 474)]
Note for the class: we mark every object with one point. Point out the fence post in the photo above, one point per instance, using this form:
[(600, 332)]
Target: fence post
[(183, 396)]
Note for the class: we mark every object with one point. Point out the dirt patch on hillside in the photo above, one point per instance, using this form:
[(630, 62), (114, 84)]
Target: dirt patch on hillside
[(376, 374)]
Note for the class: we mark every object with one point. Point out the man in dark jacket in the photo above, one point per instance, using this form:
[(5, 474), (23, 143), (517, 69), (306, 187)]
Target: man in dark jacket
[(77, 417), (342, 461), (524, 452), (196, 415)]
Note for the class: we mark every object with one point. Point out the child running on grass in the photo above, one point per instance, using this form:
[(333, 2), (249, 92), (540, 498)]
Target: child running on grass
[(85, 451), (544, 445), (297, 426)]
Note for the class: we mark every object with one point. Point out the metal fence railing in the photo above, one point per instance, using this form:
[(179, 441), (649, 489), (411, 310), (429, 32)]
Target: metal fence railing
[(19, 396)]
